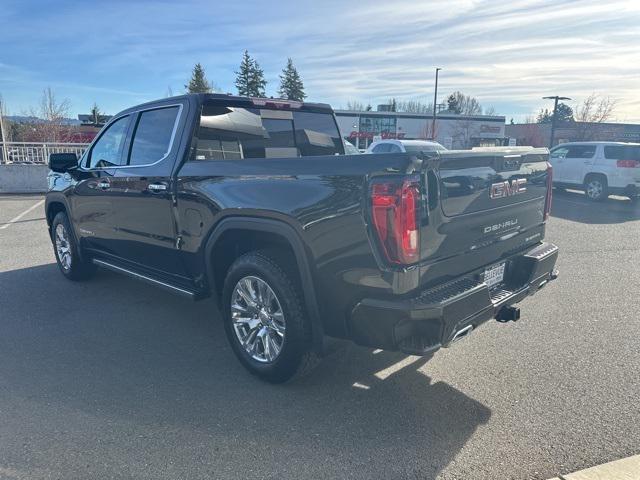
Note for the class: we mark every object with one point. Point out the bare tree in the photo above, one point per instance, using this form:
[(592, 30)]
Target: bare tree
[(491, 111), (414, 106), (462, 132), (593, 110), (463, 104), (355, 106), (52, 114)]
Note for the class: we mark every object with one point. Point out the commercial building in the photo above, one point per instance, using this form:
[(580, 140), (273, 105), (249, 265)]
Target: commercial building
[(538, 134), (451, 130)]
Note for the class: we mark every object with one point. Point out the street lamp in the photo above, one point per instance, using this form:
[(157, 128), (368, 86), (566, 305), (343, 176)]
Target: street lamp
[(435, 102), (553, 117)]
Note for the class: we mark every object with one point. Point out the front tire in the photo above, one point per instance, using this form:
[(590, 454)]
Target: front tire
[(265, 319), (66, 250), (595, 187)]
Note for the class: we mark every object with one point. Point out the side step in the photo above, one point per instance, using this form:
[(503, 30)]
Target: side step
[(145, 278)]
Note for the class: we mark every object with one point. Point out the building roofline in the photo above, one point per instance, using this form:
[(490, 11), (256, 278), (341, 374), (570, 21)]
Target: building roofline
[(442, 116)]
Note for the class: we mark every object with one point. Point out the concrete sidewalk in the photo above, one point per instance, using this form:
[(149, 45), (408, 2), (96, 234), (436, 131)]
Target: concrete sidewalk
[(624, 469)]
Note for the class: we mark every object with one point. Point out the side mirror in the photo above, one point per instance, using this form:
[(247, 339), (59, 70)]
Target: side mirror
[(63, 162)]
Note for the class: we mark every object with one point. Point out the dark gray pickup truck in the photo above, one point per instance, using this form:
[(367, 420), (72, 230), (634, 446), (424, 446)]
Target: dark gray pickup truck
[(253, 202)]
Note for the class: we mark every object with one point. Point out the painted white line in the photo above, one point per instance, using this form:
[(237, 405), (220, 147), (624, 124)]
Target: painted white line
[(18, 217)]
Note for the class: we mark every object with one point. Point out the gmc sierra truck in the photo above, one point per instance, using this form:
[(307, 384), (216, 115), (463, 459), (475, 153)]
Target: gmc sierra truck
[(254, 203)]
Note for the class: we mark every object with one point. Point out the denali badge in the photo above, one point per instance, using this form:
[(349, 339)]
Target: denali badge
[(508, 189), (501, 226)]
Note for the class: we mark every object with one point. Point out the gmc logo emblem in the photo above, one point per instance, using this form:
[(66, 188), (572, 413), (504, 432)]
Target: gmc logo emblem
[(508, 189)]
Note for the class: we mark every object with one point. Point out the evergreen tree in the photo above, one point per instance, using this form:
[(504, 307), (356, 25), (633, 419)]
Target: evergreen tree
[(291, 86), (250, 80), (198, 82)]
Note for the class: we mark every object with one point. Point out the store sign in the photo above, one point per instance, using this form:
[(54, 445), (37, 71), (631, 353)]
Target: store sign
[(489, 129), (370, 135)]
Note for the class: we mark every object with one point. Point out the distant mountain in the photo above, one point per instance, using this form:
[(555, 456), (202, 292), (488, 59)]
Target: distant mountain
[(30, 119)]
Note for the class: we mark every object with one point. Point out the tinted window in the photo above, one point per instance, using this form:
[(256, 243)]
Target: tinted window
[(622, 152), (233, 133), (152, 137), (317, 134), (581, 151), (424, 148), (381, 148), (107, 151)]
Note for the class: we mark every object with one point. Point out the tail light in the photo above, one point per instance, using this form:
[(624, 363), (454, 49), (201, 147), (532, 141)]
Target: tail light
[(628, 163), (395, 208), (547, 201)]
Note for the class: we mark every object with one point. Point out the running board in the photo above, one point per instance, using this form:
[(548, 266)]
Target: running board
[(145, 278)]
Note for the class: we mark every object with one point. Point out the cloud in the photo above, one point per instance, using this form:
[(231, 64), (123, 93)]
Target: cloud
[(508, 54)]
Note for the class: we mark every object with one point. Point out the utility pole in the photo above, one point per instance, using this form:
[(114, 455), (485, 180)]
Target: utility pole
[(4, 146), (555, 99), (435, 103)]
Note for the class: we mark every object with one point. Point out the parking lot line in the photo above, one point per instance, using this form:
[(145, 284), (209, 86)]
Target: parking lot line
[(624, 469), (19, 216)]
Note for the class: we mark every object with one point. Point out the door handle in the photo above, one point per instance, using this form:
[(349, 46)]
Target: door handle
[(104, 185), (157, 187)]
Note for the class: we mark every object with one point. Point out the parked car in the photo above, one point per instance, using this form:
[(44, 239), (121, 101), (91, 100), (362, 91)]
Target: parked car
[(599, 168), (405, 146), (252, 202)]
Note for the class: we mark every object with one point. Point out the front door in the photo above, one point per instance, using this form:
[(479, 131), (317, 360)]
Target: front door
[(90, 203)]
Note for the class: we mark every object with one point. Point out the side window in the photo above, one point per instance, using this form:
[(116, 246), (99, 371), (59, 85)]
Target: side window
[(107, 151), (612, 152), (560, 152), (581, 151), (153, 135), (382, 148), (393, 148)]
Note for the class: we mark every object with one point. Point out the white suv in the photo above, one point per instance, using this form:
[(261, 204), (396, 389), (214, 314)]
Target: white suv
[(600, 168), (404, 146)]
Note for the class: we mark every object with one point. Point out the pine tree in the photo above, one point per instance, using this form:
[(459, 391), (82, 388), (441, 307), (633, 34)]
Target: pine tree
[(198, 82), (250, 80), (291, 86)]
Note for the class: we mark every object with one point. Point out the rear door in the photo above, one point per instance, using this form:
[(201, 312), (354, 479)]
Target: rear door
[(143, 221)]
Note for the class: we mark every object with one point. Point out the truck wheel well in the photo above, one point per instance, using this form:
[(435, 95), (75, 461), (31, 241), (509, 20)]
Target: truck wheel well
[(53, 209), (236, 242)]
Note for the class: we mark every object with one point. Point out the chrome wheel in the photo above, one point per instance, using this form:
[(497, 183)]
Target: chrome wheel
[(594, 189), (257, 318), (63, 246)]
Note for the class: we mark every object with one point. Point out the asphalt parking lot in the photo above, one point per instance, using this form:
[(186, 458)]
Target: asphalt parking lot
[(116, 379)]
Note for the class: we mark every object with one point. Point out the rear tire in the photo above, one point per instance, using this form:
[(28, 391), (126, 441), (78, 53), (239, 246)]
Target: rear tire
[(265, 319), (66, 250), (596, 188)]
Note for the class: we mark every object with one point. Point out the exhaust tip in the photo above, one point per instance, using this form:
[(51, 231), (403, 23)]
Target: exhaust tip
[(459, 335)]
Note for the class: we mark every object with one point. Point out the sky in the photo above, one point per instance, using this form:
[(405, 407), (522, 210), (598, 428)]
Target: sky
[(508, 54)]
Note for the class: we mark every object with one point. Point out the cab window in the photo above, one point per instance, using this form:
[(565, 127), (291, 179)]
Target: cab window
[(107, 151)]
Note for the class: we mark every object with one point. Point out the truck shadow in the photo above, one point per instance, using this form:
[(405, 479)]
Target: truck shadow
[(574, 206), (125, 355)]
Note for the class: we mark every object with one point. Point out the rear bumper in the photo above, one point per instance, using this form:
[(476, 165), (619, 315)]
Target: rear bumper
[(431, 320)]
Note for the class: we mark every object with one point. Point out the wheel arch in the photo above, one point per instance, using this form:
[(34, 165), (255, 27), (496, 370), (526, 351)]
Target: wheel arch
[(271, 233)]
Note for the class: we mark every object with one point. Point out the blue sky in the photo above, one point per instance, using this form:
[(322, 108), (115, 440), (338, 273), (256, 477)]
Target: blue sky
[(508, 54)]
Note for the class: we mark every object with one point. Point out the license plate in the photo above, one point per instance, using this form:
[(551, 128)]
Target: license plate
[(494, 275)]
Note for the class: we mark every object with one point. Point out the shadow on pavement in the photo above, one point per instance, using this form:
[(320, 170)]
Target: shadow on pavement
[(574, 206), (155, 375)]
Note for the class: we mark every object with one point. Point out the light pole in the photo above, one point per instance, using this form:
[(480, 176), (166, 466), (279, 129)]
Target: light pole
[(555, 98), (4, 146), (435, 103)]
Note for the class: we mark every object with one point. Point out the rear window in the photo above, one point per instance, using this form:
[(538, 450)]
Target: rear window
[(622, 152), (423, 148), (233, 133)]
